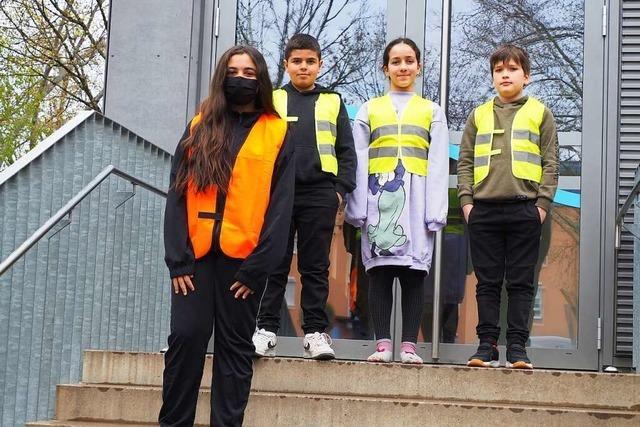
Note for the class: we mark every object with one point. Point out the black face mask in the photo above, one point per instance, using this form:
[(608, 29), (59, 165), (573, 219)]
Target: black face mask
[(240, 91)]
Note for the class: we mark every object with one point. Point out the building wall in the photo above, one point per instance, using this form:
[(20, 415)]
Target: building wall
[(154, 62), (628, 160), (96, 281)]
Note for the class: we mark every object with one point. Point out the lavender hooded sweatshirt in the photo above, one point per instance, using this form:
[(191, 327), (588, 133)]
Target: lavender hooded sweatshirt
[(399, 212)]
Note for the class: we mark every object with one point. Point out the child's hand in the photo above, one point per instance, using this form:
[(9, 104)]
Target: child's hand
[(241, 291), (543, 214), (466, 210), (182, 284)]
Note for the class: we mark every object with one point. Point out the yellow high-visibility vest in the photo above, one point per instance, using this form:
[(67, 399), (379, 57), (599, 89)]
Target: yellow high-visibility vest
[(326, 113), (526, 161), (406, 138)]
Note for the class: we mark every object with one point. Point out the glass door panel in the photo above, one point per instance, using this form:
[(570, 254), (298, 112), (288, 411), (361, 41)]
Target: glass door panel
[(553, 34), (352, 35)]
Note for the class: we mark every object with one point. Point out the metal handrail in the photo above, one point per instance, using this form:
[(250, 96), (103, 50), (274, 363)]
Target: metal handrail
[(53, 220), (623, 210)]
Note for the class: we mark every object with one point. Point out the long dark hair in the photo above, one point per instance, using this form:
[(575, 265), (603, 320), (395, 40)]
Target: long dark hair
[(207, 157)]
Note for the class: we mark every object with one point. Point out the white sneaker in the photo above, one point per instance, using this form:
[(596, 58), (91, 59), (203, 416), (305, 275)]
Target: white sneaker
[(412, 358), (381, 356), (265, 343), (318, 346)]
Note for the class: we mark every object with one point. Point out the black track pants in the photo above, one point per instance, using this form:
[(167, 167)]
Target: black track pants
[(192, 320), (313, 221), (505, 240)]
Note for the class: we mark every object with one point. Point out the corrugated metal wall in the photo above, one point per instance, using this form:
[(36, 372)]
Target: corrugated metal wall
[(96, 282), (629, 160), (636, 284)]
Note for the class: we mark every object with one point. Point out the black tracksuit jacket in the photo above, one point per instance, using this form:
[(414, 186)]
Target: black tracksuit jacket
[(272, 243), (302, 134)]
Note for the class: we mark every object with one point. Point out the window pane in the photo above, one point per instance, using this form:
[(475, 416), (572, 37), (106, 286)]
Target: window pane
[(552, 32), (352, 37)]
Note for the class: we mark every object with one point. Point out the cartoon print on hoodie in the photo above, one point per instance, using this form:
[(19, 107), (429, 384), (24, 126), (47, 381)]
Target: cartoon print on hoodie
[(387, 233)]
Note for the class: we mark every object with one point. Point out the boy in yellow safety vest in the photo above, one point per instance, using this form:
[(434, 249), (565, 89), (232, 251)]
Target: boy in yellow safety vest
[(320, 130), (507, 178)]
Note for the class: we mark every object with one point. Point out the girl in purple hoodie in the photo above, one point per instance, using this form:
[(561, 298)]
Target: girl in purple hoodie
[(401, 198)]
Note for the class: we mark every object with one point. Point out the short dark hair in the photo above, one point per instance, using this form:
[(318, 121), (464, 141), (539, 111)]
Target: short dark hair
[(506, 53), (399, 40), (302, 41)]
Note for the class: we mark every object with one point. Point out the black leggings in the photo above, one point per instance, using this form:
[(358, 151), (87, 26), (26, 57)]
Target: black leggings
[(381, 300)]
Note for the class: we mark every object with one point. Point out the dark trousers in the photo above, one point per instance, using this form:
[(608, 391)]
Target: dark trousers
[(313, 221), (192, 320), (504, 239), (381, 300)]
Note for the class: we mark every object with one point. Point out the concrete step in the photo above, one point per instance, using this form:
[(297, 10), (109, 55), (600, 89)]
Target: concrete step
[(433, 382), (86, 423), (140, 404)]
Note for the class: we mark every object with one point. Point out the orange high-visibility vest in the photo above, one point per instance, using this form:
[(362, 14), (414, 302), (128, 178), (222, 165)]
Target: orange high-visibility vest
[(247, 196)]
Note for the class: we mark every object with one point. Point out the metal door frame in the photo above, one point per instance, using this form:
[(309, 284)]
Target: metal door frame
[(585, 356), (225, 29)]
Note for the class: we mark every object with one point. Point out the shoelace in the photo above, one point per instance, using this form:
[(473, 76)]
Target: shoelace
[(321, 338), (327, 338), (264, 337)]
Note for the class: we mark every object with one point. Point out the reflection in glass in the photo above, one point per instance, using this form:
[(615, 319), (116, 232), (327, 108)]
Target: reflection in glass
[(352, 35), (552, 32)]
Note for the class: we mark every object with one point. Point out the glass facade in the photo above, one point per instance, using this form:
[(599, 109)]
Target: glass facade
[(353, 35), (552, 33)]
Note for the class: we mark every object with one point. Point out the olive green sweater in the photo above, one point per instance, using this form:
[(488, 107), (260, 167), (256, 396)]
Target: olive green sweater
[(500, 184)]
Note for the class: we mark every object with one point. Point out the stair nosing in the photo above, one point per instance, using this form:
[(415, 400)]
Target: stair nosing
[(388, 398)]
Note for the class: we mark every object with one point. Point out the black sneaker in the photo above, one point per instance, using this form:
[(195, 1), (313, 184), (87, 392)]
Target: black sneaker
[(517, 357), (486, 356)]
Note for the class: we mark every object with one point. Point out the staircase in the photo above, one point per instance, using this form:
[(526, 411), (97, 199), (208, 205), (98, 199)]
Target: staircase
[(120, 388)]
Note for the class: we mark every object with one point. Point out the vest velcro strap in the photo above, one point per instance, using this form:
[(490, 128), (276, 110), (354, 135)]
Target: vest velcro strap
[(325, 125), (496, 151), (291, 118), (523, 156), (210, 215), (327, 149), (375, 153), (498, 131), (417, 131), (483, 138), (481, 161), (528, 135), (420, 153)]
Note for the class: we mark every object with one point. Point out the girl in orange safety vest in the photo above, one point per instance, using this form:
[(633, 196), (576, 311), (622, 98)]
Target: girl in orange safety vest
[(226, 225)]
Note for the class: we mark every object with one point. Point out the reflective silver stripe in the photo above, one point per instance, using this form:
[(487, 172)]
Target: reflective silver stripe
[(416, 130), (523, 156), (406, 130), (420, 153), (483, 138), (525, 134), (384, 131), (383, 152), (481, 161), (327, 149), (325, 125)]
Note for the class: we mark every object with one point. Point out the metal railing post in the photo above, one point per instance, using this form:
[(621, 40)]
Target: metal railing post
[(444, 95)]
